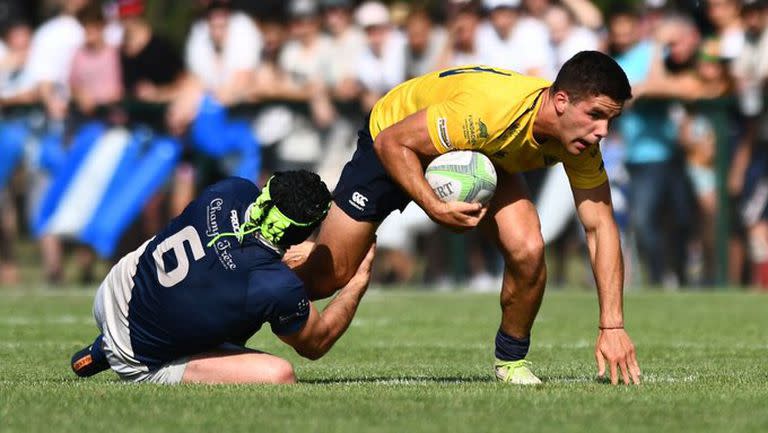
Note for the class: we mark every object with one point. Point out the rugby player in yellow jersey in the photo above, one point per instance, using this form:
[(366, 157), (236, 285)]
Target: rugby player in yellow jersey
[(521, 123)]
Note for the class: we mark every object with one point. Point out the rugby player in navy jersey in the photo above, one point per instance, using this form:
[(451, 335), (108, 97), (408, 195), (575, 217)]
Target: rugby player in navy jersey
[(180, 308)]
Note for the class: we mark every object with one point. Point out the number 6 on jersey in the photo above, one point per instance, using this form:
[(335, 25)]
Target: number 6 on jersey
[(176, 243)]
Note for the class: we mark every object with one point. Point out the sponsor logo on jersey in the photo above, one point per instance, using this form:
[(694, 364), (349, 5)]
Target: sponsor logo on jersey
[(222, 246), (235, 220), (474, 129), (482, 129), (358, 200), (442, 133), (212, 227)]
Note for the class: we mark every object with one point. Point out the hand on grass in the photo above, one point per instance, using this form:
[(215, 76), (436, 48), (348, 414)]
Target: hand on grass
[(615, 347)]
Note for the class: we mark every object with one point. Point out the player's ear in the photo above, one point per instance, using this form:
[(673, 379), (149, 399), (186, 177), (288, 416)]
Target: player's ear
[(560, 99)]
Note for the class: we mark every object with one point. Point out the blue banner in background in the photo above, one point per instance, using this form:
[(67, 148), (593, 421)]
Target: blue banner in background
[(12, 138), (213, 133), (68, 166), (101, 185), (145, 167)]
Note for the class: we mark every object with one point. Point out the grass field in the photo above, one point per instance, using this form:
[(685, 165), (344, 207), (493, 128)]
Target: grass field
[(415, 362)]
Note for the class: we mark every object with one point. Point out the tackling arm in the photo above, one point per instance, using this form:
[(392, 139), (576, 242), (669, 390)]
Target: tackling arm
[(321, 331)]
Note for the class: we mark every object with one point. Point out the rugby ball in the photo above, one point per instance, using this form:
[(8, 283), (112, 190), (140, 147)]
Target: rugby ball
[(462, 175)]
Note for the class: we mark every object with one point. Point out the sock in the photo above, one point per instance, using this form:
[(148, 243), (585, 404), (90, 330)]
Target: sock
[(509, 348), (99, 357)]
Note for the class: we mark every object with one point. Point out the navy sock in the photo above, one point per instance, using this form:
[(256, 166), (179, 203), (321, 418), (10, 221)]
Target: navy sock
[(97, 353), (509, 348)]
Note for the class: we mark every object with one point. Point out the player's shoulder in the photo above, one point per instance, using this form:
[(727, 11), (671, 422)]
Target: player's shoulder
[(233, 185), (487, 86), (274, 279)]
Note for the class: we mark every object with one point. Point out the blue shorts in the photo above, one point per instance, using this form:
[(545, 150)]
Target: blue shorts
[(365, 191)]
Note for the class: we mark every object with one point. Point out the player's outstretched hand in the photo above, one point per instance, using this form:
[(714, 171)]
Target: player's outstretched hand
[(458, 215), (615, 347)]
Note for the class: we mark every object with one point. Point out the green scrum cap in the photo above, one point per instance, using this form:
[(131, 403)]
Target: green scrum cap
[(271, 223)]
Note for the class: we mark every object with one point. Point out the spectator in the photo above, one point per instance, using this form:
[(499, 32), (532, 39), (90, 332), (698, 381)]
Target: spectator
[(16, 41), (300, 110), (567, 38), (661, 207), (53, 47), (698, 135), (347, 44), (463, 46), (222, 53), (513, 41), (153, 76), (584, 12), (307, 59), (382, 64), (724, 15), (44, 80), (94, 78), (749, 170), (425, 43), (151, 68), (14, 86)]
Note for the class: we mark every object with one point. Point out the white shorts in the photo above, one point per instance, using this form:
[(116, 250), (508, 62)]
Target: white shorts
[(124, 364)]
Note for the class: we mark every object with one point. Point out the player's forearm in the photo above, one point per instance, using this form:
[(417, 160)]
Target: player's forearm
[(404, 166), (608, 266), (337, 316)]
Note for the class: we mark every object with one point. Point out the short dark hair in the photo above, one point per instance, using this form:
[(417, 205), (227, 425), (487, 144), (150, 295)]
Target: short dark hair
[(91, 14), (592, 73), (301, 196)]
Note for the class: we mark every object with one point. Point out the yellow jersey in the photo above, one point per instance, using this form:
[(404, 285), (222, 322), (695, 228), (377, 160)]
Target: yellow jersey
[(489, 110)]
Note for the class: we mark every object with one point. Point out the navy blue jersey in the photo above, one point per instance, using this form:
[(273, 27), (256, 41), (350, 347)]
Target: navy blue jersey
[(189, 298)]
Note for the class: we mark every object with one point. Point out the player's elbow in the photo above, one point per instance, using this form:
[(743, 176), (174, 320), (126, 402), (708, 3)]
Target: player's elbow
[(382, 143), (314, 352), (317, 348)]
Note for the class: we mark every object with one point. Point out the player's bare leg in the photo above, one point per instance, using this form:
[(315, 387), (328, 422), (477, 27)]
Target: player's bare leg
[(339, 248), (232, 367), (514, 225)]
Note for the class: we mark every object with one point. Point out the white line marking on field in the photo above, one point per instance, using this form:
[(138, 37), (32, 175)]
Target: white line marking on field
[(646, 378), (375, 323)]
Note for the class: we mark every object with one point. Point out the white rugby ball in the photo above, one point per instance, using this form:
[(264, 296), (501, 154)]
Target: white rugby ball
[(462, 175)]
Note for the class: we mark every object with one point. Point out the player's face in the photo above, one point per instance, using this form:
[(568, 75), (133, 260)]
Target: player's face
[(585, 123)]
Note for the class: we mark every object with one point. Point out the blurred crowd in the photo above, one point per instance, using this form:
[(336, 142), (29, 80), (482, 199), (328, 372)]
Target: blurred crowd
[(267, 85)]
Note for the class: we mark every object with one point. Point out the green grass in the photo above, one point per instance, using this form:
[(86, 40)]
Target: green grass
[(415, 362)]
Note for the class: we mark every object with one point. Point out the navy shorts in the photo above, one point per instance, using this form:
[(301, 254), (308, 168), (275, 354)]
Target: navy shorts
[(365, 191)]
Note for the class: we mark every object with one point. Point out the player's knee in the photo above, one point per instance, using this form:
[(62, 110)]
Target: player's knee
[(527, 254), (280, 373)]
